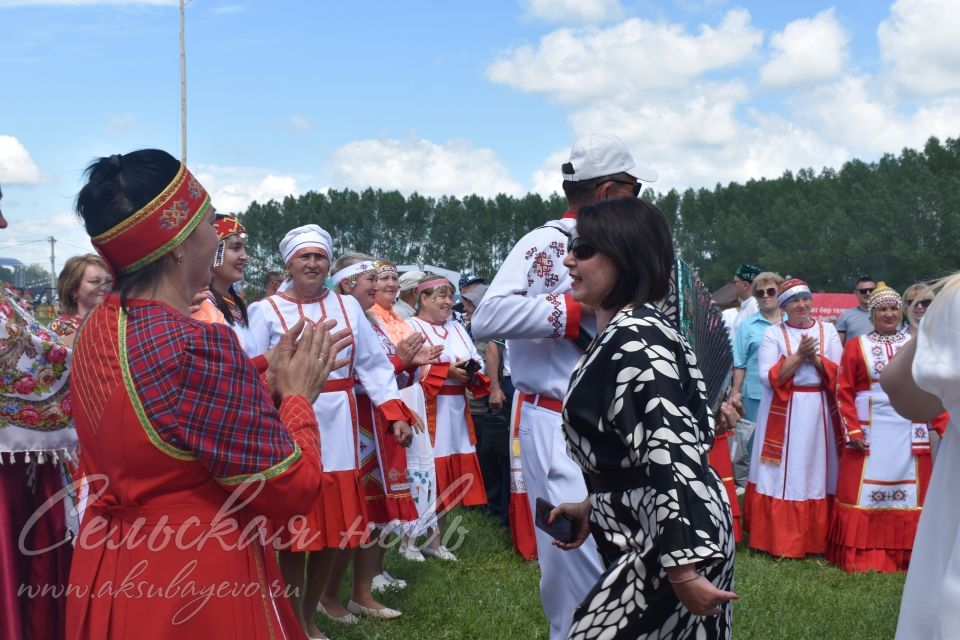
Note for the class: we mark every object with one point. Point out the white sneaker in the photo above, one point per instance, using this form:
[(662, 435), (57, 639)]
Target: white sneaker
[(414, 555), (440, 553), (396, 582), (380, 584)]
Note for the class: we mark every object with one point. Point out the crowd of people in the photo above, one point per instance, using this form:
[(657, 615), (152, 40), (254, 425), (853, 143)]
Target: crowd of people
[(262, 448), (827, 466)]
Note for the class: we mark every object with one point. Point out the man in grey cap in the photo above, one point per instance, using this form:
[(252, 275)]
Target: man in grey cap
[(528, 303), (406, 303)]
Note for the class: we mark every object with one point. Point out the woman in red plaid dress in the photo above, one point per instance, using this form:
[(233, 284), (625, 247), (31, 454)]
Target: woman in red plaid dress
[(183, 447)]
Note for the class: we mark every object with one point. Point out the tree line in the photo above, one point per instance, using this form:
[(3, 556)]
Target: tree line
[(896, 219)]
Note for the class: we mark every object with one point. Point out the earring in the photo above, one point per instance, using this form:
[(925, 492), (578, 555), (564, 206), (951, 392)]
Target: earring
[(179, 259)]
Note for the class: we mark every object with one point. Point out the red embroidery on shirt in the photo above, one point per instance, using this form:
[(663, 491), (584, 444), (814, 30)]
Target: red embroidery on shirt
[(542, 264), (559, 248), (556, 316)]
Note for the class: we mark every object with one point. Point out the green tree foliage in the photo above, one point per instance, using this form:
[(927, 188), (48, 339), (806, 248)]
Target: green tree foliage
[(897, 219)]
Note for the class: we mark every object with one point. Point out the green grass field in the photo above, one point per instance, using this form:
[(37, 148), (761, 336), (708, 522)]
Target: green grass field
[(492, 593)]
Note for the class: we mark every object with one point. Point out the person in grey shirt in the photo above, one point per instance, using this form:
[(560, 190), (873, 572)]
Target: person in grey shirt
[(855, 322)]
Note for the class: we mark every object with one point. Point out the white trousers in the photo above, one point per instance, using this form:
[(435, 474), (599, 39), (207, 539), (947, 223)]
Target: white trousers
[(549, 473)]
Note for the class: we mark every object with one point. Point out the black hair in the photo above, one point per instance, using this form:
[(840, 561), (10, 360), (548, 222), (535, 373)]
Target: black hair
[(580, 192), (864, 278), (224, 306), (117, 187), (635, 235)]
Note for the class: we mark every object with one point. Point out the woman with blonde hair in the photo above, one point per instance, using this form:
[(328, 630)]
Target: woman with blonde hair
[(916, 300), (83, 283)]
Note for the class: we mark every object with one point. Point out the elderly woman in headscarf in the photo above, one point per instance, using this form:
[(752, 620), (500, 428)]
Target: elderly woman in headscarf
[(339, 523), (885, 465), (793, 467)]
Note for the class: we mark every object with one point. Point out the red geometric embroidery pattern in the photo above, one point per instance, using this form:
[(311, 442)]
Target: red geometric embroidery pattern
[(559, 248), (174, 216), (542, 264), (880, 496), (556, 316), (194, 188)]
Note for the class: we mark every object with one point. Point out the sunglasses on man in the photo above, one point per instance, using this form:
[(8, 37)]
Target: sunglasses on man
[(866, 290), (635, 185)]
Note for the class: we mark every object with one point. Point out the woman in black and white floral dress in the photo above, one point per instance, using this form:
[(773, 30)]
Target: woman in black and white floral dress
[(637, 421)]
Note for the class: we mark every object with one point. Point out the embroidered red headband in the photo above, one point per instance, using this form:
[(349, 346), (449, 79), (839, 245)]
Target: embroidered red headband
[(157, 228), (227, 226), (430, 284)]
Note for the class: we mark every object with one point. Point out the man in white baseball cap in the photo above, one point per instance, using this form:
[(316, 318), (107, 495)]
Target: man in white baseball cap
[(601, 162), (528, 303), (404, 307)]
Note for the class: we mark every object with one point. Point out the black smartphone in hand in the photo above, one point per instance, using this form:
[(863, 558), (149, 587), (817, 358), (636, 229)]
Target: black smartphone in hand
[(562, 527), (471, 367)]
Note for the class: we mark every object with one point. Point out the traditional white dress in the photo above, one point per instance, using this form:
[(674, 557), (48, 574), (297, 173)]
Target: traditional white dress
[(880, 491), (449, 423), (528, 303), (340, 512), (793, 467), (930, 608), (421, 472)]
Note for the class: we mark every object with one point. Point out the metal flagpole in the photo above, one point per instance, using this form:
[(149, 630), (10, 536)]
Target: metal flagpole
[(183, 88)]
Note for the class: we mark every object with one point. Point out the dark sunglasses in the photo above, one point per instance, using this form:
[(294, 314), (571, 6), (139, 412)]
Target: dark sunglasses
[(581, 249), (866, 291), (636, 186), (923, 302), (769, 292)]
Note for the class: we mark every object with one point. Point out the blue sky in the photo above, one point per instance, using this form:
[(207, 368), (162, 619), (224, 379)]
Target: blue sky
[(456, 97)]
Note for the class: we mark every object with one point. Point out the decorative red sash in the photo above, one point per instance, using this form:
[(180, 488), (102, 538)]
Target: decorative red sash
[(431, 402), (391, 458), (772, 451)]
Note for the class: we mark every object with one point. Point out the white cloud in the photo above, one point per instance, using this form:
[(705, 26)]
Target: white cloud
[(453, 168), (16, 165), (806, 51), (119, 125), (626, 60), (232, 189), (5, 4), (299, 124), (920, 47), (588, 11), (699, 139), (546, 179), (855, 113), (225, 9)]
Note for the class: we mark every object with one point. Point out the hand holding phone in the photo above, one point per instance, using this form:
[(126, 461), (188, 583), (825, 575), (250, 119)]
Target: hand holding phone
[(471, 367), (562, 527)]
